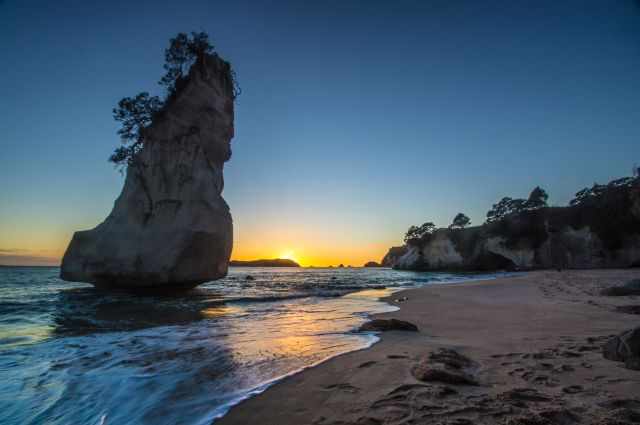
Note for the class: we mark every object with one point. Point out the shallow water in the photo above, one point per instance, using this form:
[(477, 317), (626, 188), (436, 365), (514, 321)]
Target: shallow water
[(71, 354)]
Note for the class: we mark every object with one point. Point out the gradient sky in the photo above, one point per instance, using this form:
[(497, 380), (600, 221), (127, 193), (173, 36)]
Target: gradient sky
[(356, 120)]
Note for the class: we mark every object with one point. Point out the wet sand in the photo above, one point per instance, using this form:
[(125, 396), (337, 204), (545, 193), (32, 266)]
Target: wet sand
[(536, 340)]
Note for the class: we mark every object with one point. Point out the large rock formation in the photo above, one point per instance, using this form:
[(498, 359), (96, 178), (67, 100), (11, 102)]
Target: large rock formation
[(170, 226), (601, 232)]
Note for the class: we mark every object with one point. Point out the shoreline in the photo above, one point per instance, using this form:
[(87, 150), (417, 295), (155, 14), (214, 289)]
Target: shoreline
[(375, 338), (507, 325)]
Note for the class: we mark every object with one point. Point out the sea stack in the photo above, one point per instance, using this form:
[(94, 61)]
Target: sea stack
[(170, 226)]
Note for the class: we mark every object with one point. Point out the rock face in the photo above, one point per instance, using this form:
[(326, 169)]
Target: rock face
[(393, 255), (583, 236), (170, 226)]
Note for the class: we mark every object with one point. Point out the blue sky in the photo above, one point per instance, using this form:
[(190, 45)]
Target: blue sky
[(357, 119)]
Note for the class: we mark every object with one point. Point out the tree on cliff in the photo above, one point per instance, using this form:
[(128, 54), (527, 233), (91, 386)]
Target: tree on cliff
[(415, 234), (505, 207), (537, 199), (134, 114), (182, 52), (460, 221)]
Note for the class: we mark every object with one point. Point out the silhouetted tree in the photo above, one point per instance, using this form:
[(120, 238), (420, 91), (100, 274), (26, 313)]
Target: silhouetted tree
[(416, 234), (460, 221), (182, 52), (134, 114), (504, 208), (537, 199)]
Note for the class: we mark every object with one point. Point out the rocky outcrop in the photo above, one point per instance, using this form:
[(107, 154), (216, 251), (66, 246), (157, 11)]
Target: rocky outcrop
[(598, 234), (170, 226), (372, 264), (393, 255)]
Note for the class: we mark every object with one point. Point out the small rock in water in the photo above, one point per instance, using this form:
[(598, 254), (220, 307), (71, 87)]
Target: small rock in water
[(249, 277), (401, 300), (383, 325)]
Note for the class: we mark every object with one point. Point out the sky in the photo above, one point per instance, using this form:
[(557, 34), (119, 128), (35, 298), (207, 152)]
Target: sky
[(356, 120)]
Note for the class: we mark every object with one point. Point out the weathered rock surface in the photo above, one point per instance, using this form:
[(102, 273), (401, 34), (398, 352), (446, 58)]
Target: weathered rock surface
[(170, 226), (383, 325), (577, 237), (624, 348)]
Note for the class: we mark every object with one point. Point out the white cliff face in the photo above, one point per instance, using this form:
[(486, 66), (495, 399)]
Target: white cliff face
[(170, 226), (569, 248)]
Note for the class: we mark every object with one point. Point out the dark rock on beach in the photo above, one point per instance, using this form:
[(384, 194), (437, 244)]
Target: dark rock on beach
[(383, 325), (446, 366), (624, 348)]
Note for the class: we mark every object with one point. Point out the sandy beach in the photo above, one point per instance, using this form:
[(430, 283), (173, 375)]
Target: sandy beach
[(534, 341)]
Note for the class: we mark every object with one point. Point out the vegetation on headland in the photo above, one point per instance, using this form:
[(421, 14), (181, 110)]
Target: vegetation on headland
[(606, 208), (135, 114)]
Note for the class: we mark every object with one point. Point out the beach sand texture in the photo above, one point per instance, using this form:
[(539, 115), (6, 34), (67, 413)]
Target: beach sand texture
[(534, 342)]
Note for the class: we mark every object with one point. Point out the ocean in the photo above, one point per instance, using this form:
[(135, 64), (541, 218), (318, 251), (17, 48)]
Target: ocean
[(70, 354)]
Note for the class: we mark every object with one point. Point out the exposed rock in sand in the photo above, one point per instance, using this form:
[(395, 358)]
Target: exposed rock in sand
[(446, 366), (624, 348), (383, 325), (170, 226)]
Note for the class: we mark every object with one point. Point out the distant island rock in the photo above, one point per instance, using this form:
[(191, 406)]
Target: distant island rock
[(170, 226), (372, 264), (600, 229), (275, 262)]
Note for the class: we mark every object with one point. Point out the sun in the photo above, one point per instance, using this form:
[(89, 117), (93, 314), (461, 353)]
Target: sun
[(287, 255)]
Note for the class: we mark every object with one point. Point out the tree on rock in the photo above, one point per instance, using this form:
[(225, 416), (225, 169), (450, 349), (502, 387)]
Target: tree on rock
[(415, 234), (182, 52), (460, 221), (135, 114)]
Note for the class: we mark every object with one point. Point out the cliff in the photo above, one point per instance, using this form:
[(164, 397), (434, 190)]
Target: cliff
[(276, 262), (170, 226), (600, 232)]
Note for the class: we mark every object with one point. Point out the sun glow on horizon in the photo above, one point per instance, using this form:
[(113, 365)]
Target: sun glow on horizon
[(288, 255)]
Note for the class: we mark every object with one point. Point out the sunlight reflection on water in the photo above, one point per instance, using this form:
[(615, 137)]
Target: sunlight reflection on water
[(70, 354)]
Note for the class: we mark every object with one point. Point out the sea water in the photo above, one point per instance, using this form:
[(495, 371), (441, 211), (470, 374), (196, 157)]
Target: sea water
[(70, 354)]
